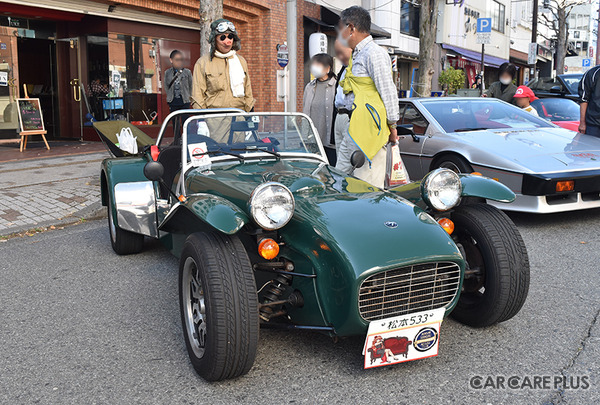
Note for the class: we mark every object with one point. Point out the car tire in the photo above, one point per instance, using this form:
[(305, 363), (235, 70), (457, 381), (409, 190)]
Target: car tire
[(219, 305), (455, 163), (123, 242), (491, 242)]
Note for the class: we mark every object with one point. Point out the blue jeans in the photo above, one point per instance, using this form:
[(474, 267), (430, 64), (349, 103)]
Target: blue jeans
[(592, 130)]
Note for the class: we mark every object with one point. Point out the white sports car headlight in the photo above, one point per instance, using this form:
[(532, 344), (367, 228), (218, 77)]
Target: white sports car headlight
[(272, 205), (441, 189)]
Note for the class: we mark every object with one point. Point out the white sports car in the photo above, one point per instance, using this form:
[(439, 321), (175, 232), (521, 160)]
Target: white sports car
[(551, 169)]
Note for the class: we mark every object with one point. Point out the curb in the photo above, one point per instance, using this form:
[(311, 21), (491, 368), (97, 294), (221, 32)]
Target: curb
[(94, 211)]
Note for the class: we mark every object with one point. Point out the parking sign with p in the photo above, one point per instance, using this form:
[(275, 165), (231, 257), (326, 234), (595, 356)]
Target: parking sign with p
[(484, 25)]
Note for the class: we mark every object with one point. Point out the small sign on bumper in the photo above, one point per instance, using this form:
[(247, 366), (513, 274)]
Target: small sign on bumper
[(403, 338)]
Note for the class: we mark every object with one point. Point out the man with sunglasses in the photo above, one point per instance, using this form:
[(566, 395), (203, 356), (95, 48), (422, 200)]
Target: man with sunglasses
[(221, 78)]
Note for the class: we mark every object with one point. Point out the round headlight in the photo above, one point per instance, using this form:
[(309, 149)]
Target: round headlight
[(441, 189), (271, 205)]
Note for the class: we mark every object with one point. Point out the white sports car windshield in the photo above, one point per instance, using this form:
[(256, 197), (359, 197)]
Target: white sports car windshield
[(480, 114)]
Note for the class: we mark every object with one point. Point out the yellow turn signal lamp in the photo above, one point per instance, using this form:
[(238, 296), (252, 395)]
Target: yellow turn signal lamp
[(476, 174), (447, 224), (268, 249), (568, 185)]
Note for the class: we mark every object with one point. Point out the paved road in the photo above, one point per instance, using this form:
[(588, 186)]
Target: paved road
[(82, 325), (47, 191)]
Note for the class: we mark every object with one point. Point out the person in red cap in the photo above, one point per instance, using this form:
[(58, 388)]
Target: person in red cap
[(523, 98)]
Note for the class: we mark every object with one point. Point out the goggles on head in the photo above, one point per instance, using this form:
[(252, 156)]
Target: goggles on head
[(224, 26)]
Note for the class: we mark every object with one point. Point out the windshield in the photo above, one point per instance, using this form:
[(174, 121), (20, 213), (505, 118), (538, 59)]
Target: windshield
[(236, 135), (572, 82), (479, 114), (557, 109)]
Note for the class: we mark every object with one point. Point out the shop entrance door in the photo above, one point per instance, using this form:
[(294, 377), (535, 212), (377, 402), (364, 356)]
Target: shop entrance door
[(70, 88)]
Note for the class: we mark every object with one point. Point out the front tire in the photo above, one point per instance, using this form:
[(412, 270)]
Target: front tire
[(123, 242), (497, 274), (219, 305)]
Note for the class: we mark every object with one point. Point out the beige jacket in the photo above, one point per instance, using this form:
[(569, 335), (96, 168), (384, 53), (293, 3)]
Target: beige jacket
[(211, 87)]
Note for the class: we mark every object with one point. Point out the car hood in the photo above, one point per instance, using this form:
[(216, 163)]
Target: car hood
[(349, 215), (538, 150)]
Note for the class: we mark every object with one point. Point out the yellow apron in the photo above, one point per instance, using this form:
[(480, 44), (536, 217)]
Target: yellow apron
[(368, 124)]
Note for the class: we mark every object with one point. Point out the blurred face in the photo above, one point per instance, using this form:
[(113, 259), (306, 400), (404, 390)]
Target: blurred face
[(505, 78), (342, 53), (319, 70), (177, 61), (224, 42), (522, 101)]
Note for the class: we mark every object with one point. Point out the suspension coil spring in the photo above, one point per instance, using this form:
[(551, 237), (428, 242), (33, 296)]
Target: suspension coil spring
[(274, 293)]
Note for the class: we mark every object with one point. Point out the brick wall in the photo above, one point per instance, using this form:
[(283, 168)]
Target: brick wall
[(261, 25)]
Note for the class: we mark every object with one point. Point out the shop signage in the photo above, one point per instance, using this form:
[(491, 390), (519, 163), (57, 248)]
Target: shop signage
[(2, 45), (283, 55), (30, 114), (532, 54), (6, 21), (3, 78)]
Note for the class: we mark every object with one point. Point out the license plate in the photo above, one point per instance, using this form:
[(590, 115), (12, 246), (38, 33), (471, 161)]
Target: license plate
[(403, 338)]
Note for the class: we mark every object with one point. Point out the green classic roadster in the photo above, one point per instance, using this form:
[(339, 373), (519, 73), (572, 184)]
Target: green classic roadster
[(268, 234)]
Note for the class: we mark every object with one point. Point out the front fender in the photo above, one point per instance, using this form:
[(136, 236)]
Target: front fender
[(484, 187), (472, 186), (199, 210)]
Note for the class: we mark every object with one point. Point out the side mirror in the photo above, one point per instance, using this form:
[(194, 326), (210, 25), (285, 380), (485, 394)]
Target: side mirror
[(357, 159), (154, 171), (407, 129), (556, 89)]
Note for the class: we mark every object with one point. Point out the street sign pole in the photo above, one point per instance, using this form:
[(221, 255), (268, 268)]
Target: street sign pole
[(484, 36), (482, 68)]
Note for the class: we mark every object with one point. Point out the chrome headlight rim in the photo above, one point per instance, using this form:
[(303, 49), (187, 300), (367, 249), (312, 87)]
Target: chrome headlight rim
[(252, 204), (426, 187)]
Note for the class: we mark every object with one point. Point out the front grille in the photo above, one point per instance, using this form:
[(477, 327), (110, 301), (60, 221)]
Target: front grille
[(408, 289)]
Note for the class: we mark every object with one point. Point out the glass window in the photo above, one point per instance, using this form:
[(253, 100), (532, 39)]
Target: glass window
[(133, 79), (224, 134), (409, 19), (498, 16), (413, 117), (557, 109), (475, 114)]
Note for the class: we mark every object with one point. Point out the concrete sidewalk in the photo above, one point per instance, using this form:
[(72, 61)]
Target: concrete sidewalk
[(49, 191)]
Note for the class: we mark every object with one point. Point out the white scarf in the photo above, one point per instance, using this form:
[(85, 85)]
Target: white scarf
[(237, 76)]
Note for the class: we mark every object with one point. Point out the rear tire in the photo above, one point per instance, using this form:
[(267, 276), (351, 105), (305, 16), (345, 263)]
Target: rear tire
[(219, 305), (455, 163), (492, 243), (123, 242)]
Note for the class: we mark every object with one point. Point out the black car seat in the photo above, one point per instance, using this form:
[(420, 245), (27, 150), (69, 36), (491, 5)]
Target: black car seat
[(170, 157)]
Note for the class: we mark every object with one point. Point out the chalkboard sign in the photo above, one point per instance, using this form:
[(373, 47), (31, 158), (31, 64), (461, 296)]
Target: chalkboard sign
[(30, 114)]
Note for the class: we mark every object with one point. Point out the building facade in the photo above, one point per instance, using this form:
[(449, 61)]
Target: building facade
[(107, 59), (457, 36)]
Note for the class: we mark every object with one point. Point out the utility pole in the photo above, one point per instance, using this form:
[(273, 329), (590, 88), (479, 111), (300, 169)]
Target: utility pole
[(534, 34), (292, 43)]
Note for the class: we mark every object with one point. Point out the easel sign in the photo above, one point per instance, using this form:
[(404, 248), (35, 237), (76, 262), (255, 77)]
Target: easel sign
[(30, 120)]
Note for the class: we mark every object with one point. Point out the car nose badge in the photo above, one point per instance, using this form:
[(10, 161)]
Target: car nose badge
[(391, 224)]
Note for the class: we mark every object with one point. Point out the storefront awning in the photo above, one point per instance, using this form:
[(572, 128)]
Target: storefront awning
[(331, 16), (474, 56)]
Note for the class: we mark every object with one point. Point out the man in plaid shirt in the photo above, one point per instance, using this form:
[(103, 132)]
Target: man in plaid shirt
[(368, 60)]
